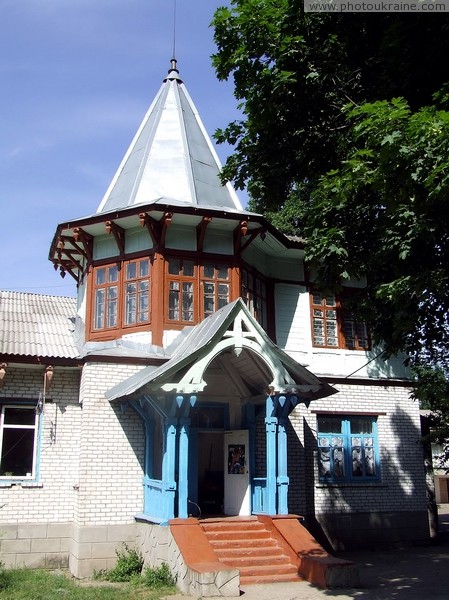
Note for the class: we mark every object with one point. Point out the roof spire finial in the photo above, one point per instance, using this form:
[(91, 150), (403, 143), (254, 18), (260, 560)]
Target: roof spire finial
[(174, 30), (173, 72)]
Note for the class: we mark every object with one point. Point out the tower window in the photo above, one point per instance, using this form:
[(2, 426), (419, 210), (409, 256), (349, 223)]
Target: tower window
[(121, 296), (194, 292)]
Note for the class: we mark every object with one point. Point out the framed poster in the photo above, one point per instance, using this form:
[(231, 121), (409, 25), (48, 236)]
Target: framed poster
[(236, 459)]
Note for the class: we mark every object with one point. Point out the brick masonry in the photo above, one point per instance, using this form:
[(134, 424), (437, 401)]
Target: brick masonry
[(395, 508), (91, 466)]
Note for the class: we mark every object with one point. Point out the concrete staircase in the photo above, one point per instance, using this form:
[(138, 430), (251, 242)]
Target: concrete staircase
[(214, 557), (254, 547)]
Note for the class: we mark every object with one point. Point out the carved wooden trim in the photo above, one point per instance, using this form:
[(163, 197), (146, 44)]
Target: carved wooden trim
[(201, 232), (119, 235)]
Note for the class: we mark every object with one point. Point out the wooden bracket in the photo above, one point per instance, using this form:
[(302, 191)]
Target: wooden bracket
[(240, 231), (164, 224), (252, 236), (119, 235), (201, 232), (151, 225), (86, 240)]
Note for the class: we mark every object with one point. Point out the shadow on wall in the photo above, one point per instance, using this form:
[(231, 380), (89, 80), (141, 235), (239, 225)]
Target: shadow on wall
[(134, 430), (393, 368), (386, 513)]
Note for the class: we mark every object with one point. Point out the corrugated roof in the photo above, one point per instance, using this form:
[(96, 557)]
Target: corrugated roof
[(170, 156), (37, 325)]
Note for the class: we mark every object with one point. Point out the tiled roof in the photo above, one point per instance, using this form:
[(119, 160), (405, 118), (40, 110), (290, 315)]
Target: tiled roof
[(37, 325)]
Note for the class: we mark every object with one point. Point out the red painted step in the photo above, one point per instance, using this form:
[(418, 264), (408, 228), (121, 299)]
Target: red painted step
[(250, 546)]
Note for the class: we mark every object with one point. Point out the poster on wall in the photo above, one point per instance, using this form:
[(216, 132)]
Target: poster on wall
[(236, 459)]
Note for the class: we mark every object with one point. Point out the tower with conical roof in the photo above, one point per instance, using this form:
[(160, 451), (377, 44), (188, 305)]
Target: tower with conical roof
[(167, 244)]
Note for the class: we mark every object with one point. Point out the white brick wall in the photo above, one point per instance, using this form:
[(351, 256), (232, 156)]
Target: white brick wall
[(111, 451), (91, 455), (53, 500), (402, 485)]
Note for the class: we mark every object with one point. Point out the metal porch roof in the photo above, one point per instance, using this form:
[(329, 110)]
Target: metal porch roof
[(194, 343)]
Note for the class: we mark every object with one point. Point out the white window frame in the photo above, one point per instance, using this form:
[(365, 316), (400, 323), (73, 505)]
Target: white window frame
[(35, 427)]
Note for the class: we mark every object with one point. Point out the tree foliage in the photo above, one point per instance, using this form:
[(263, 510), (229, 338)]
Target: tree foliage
[(294, 73), (344, 140), (383, 214)]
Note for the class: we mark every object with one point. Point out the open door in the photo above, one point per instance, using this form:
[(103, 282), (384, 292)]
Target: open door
[(237, 493)]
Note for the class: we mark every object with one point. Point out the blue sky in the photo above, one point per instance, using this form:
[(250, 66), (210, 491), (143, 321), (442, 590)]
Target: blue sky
[(77, 77)]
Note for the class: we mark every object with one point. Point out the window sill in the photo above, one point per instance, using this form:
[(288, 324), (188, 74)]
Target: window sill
[(24, 484), (352, 484)]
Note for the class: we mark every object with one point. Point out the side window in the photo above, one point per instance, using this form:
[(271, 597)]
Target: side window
[(181, 290), (334, 325), (121, 296), (216, 287), (18, 442), (324, 321), (347, 448), (254, 295), (106, 281), (195, 291), (137, 292)]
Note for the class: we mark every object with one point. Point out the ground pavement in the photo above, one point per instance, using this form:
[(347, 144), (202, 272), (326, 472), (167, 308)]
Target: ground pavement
[(416, 573)]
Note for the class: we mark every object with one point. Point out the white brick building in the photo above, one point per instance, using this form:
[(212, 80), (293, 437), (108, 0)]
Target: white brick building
[(178, 386)]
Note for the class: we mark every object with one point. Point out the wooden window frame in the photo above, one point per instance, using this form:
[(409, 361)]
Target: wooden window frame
[(255, 300), (343, 449), (181, 279), (120, 326), (198, 280), (137, 280), (341, 316), (216, 281)]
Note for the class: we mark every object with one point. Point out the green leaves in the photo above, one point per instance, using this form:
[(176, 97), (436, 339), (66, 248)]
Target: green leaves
[(388, 205), (344, 140)]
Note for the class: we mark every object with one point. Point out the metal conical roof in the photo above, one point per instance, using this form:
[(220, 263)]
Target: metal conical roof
[(171, 156)]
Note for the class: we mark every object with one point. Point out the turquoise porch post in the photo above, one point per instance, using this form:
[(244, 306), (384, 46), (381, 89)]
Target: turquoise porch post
[(271, 429), (282, 479), (184, 404), (168, 467), (183, 490)]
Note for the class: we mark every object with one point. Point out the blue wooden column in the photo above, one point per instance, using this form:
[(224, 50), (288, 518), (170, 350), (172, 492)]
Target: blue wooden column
[(283, 479), (168, 467), (271, 431), (183, 488)]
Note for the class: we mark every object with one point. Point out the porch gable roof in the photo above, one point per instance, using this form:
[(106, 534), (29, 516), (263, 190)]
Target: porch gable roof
[(230, 328)]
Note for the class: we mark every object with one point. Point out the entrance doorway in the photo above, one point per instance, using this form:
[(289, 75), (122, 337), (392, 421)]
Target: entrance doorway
[(237, 492), (210, 472)]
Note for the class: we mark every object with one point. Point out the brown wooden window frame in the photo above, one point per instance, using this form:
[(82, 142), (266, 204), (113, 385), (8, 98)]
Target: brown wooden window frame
[(204, 286), (336, 319), (219, 283), (254, 294), (142, 281), (111, 325)]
